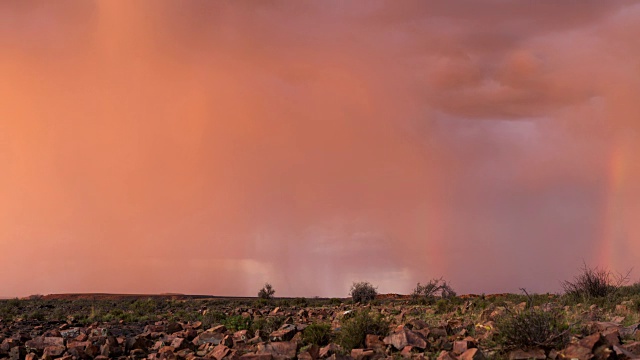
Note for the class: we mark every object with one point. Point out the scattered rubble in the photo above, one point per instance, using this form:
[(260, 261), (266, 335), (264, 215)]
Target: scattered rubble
[(415, 333)]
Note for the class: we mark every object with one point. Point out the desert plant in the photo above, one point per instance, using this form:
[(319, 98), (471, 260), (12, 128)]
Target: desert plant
[(237, 322), (363, 292), (335, 301), (355, 329), (434, 288), (532, 327), (594, 283), (268, 324), (318, 334), (266, 292)]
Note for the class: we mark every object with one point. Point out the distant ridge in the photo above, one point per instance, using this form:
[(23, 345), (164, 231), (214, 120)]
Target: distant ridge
[(107, 296)]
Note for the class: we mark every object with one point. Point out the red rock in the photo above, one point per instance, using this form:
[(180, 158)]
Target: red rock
[(575, 351), (373, 342), (611, 336), (54, 350), (329, 350), (218, 352), (17, 353), (472, 354), (279, 350), (360, 354), (590, 341), (461, 346), (406, 352), (634, 347), (256, 357), (535, 354), (209, 337), (405, 337), (39, 343), (31, 356), (623, 353), (70, 333), (312, 353), (218, 329), (99, 332), (178, 343), (446, 355), (167, 353), (285, 333)]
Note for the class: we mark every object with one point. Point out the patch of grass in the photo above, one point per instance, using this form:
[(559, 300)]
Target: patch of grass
[(212, 318), (237, 322), (268, 324), (318, 334), (355, 329)]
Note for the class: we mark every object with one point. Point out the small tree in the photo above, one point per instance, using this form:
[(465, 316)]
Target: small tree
[(266, 292), (432, 289), (363, 292)]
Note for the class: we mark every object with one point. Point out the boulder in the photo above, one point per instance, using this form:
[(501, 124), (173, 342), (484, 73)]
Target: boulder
[(285, 350), (472, 354), (405, 337)]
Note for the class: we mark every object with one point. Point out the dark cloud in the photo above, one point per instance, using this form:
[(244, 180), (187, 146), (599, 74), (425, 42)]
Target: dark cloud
[(209, 147)]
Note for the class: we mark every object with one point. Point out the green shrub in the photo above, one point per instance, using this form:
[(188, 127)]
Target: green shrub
[(237, 322), (363, 292), (268, 324), (532, 327), (355, 329), (212, 318), (318, 334), (335, 301)]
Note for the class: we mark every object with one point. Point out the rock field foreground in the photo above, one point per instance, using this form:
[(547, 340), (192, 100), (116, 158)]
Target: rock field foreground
[(465, 330)]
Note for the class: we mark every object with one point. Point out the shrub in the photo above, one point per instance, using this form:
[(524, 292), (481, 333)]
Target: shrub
[(300, 301), (594, 283), (355, 329), (434, 288), (532, 328), (335, 301), (237, 322), (211, 318), (266, 292), (363, 292), (268, 324), (318, 334)]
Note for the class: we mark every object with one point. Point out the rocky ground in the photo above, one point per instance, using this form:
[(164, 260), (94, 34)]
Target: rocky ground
[(391, 327)]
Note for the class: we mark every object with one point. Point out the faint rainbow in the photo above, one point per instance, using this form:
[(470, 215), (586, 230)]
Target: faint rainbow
[(614, 241)]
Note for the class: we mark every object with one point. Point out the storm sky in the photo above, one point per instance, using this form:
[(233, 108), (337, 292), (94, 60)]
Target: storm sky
[(208, 147)]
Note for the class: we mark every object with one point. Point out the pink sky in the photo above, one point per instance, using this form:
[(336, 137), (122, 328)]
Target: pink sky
[(208, 147)]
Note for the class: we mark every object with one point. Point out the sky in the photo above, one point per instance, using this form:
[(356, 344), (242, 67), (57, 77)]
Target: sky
[(209, 147)]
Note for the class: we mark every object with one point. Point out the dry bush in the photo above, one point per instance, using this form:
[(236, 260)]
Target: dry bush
[(594, 283), (532, 327), (363, 292), (434, 288)]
